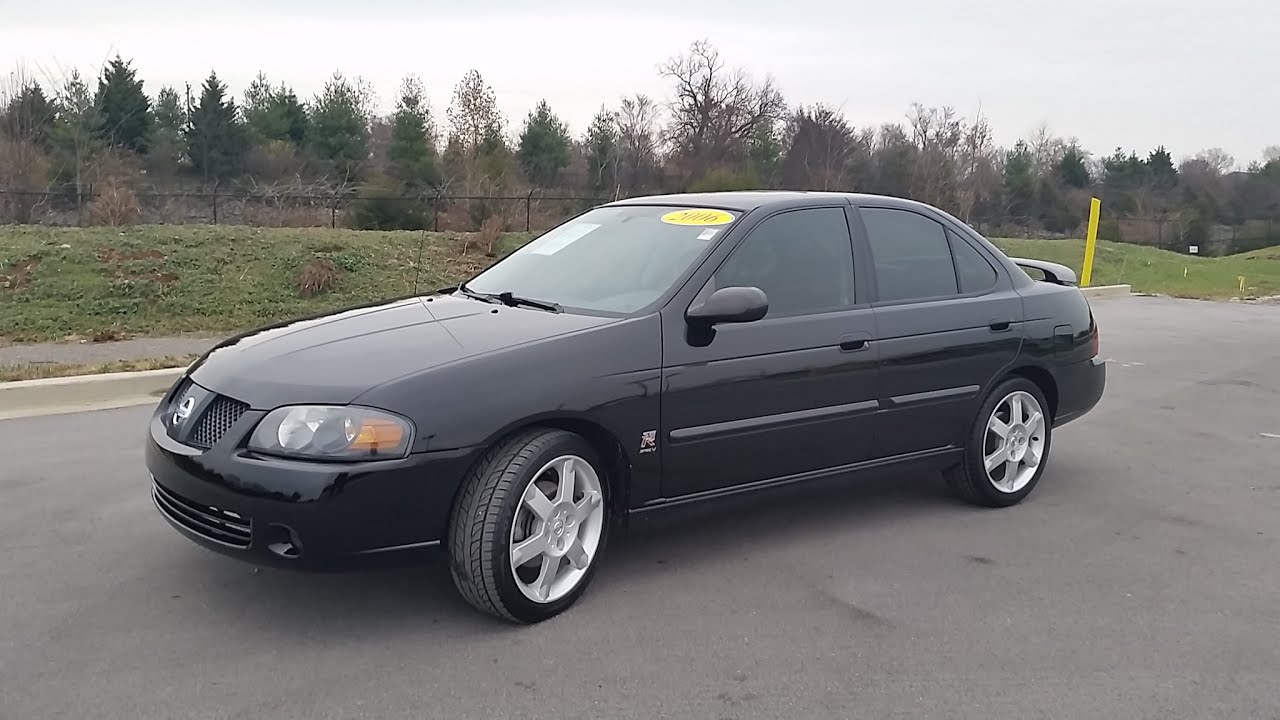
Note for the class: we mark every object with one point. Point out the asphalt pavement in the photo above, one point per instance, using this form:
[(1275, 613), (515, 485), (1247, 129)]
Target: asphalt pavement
[(1140, 580)]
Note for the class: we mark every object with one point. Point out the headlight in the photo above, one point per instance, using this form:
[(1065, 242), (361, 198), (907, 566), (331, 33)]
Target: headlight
[(332, 433)]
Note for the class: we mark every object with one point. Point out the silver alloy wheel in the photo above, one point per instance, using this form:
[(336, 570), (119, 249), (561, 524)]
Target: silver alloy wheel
[(1014, 443), (557, 527)]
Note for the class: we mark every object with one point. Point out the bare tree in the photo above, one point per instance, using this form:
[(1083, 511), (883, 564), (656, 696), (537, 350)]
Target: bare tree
[(77, 130), (1219, 160), (638, 141), (715, 111), (27, 116), (474, 124), (937, 133), (978, 177), (1046, 150), (473, 112), (1271, 153)]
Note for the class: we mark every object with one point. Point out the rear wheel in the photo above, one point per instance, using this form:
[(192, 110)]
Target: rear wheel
[(529, 526), (1007, 448)]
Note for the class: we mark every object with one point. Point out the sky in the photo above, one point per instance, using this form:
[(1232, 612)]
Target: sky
[(1112, 73)]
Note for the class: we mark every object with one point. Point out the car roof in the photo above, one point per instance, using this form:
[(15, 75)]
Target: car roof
[(747, 200)]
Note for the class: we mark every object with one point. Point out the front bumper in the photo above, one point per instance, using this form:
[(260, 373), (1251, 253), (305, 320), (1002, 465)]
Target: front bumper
[(297, 514)]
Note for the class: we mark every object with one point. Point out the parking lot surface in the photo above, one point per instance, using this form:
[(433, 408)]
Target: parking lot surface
[(1140, 580)]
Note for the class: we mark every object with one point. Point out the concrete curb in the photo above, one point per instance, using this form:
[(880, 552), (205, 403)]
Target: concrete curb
[(1107, 291), (49, 396)]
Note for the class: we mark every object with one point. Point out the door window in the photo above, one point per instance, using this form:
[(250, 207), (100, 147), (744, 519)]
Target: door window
[(911, 254), (802, 260)]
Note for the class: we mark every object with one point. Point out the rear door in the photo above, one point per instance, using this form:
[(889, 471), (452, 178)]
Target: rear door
[(792, 393), (948, 321)]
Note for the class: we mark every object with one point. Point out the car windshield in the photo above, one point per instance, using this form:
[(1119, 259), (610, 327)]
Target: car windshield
[(612, 260)]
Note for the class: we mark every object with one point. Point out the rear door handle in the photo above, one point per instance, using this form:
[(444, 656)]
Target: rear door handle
[(1000, 326), (854, 343)]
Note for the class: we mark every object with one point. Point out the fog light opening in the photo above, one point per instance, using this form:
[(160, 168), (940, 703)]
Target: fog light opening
[(283, 542)]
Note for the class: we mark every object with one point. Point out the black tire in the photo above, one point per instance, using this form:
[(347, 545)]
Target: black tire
[(969, 479), (481, 522)]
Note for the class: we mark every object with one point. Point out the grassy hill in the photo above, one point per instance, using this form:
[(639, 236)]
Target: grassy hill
[(106, 283), (1152, 270)]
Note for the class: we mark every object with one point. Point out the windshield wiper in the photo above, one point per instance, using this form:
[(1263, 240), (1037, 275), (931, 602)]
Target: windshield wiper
[(475, 295), (506, 298), (510, 300)]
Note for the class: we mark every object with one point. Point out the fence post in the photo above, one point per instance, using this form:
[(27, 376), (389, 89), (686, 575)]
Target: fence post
[(333, 212), (528, 210), (215, 207), (435, 211)]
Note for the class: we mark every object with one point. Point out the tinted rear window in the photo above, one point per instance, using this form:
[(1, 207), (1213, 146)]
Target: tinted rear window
[(911, 254)]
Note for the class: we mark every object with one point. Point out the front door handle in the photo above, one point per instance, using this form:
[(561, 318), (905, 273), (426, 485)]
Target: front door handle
[(1000, 325), (855, 342)]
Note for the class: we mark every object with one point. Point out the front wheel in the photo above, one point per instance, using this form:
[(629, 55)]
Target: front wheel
[(529, 525), (1007, 448)]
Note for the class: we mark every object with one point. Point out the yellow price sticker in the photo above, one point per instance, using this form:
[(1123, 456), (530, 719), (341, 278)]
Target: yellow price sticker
[(699, 217)]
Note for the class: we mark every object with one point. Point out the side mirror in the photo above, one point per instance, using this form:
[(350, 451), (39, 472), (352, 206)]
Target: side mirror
[(730, 305)]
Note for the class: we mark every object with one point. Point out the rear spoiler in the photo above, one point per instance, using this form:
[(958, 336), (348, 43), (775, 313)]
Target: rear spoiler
[(1053, 272)]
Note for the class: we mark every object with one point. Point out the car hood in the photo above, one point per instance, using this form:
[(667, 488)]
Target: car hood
[(334, 358)]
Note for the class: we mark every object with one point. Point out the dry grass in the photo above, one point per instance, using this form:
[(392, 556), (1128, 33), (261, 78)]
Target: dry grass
[(38, 371), (23, 167), (317, 277), (490, 230), (116, 205)]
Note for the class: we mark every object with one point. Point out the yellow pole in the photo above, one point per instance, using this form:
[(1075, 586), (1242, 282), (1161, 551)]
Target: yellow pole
[(1090, 242)]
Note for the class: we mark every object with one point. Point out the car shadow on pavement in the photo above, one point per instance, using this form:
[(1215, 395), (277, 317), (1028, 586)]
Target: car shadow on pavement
[(418, 596), (707, 532)]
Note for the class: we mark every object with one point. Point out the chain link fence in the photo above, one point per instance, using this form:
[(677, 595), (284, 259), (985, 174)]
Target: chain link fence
[(1186, 233), (534, 211)]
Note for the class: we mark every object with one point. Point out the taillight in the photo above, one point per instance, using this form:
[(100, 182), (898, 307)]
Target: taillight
[(1093, 344)]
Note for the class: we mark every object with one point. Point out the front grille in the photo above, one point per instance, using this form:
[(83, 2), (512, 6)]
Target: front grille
[(221, 526), (221, 414)]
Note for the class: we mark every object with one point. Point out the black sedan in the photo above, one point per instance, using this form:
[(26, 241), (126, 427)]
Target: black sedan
[(649, 352)]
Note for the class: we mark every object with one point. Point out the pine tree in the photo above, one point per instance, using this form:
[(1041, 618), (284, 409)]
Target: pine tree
[(1071, 169), (274, 113), (412, 152), (30, 115), (1160, 164), (290, 115), (602, 151), (166, 144), (494, 157), (1020, 181), (764, 153), (126, 110), (216, 140), (544, 146), (340, 124), (75, 135), (255, 106)]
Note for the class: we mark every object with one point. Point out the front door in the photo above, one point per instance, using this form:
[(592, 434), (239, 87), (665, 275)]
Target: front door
[(949, 324), (789, 394)]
